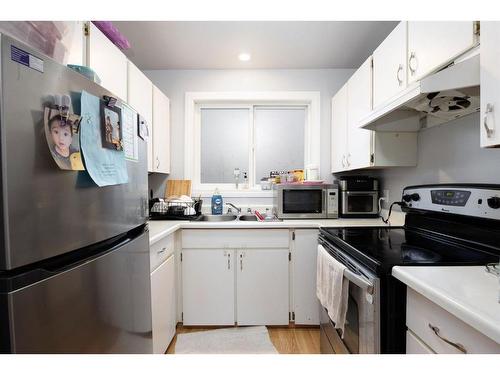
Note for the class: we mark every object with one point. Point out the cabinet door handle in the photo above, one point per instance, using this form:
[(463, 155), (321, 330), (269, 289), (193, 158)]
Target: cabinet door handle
[(488, 110), (157, 163), (400, 69), (413, 58), (162, 250), (454, 344), (343, 160), (241, 262), (229, 261), (347, 159)]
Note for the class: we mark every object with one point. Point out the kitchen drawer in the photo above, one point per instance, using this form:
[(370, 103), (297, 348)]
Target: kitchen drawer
[(421, 312), (161, 250), (234, 238), (416, 346)]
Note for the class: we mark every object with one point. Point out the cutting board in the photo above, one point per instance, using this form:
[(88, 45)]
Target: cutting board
[(178, 188)]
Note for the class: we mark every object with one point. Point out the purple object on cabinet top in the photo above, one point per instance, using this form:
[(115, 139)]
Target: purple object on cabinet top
[(113, 34)]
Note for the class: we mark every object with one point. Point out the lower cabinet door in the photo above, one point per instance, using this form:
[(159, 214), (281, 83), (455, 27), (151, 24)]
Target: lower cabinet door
[(306, 304), (163, 305), (208, 287), (262, 287)]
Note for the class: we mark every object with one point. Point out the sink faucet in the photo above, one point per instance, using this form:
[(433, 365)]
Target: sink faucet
[(233, 206)]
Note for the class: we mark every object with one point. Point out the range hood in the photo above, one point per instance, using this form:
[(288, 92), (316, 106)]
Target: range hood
[(441, 97)]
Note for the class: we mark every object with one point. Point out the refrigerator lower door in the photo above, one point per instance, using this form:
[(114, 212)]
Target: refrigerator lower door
[(100, 306)]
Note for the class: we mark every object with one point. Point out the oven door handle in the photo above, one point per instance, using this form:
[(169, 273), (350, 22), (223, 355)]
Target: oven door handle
[(359, 281)]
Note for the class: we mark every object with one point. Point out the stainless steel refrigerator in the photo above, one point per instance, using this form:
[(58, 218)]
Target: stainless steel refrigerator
[(74, 257)]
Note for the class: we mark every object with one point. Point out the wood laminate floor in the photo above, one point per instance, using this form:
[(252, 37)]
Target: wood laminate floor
[(287, 340)]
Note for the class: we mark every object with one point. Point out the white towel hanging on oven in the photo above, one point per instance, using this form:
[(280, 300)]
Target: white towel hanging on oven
[(332, 289)]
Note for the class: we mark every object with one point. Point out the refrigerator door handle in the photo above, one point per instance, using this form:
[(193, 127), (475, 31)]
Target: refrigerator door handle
[(79, 257)]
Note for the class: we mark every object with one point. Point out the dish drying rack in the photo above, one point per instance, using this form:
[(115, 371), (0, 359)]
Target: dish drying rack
[(162, 209)]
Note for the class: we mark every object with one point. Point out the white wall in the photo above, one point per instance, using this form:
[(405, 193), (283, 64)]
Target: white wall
[(448, 153), (175, 83)]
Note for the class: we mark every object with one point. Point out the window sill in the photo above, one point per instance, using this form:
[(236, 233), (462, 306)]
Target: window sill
[(241, 193)]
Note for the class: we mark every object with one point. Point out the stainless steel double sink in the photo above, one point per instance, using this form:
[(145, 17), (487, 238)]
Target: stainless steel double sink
[(227, 217)]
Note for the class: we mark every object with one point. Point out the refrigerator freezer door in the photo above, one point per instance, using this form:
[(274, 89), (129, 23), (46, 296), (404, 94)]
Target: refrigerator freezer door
[(100, 306), (48, 211)]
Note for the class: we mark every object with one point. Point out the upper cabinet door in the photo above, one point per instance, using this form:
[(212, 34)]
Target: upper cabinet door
[(161, 131), (389, 66), (339, 131), (490, 84), (140, 97), (431, 45), (359, 105), (107, 61)]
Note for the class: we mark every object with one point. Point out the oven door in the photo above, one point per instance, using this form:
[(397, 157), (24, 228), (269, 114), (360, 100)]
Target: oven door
[(359, 203), (362, 328), (307, 202)]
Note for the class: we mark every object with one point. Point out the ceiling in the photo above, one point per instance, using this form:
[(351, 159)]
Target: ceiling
[(272, 44)]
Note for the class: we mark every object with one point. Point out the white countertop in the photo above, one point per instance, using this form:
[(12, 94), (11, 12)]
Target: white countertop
[(469, 293), (161, 228)]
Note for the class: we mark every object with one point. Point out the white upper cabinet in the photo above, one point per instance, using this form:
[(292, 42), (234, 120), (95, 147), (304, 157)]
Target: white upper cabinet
[(356, 148), (161, 132), (389, 66), (107, 61), (339, 131), (490, 84), (359, 105), (140, 97), (431, 45)]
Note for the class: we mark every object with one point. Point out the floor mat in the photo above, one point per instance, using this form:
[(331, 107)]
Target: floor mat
[(238, 340)]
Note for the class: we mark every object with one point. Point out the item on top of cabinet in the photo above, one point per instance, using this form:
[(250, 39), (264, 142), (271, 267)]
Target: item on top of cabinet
[(311, 173), (358, 196), (217, 203)]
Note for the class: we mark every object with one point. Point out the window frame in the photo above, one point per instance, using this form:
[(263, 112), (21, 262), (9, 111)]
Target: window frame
[(195, 101)]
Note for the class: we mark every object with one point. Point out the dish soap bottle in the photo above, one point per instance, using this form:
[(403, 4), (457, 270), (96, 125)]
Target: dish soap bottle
[(217, 204)]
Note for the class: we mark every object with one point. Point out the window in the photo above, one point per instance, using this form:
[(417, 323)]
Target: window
[(269, 132)]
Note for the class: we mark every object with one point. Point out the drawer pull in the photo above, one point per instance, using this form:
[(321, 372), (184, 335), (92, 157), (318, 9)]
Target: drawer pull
[(161, 251), (455, 345)]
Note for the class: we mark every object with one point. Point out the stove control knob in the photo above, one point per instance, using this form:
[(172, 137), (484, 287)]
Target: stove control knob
[(415, 197), (407, 197), (494, 202)]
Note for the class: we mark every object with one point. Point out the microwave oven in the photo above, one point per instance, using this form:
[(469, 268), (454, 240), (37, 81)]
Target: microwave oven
[(299, 201), (358, 196)]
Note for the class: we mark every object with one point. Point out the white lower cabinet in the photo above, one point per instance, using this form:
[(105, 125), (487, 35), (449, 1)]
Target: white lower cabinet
[(441, 331), (416, 346), (262, 296), (305, 302), (163, 304), (208, 287), (228, 286)]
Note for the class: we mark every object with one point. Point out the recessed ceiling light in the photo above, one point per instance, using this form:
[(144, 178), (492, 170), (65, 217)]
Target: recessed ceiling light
[(244, 56)]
